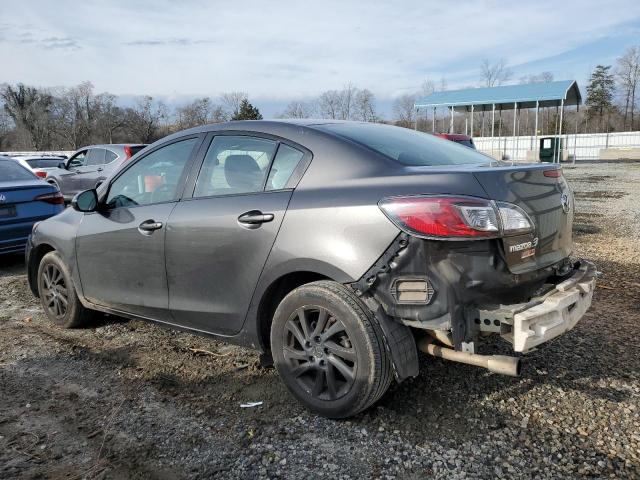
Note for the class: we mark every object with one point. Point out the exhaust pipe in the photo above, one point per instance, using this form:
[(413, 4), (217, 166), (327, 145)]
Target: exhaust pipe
[(501, 364)]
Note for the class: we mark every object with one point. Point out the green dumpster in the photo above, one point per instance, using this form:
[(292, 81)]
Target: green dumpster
[(549, 147)]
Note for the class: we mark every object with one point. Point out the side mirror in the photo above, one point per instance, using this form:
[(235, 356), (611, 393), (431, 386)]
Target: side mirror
[(62, 165), (86, 201)]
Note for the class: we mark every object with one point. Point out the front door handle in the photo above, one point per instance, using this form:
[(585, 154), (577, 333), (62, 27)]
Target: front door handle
[(255, 218), (149, 226)]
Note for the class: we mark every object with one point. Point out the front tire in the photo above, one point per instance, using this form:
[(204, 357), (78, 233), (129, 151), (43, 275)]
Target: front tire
[(329, 350), (58, 294)]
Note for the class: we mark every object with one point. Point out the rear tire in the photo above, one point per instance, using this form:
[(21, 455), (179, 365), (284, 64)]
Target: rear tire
[(329, 350), (58, 295)]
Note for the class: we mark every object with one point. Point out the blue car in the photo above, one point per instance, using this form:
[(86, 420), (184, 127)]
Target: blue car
[(24, 200)]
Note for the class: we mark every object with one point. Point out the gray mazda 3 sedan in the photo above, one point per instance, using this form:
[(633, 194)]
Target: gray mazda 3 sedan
[(336, 249)]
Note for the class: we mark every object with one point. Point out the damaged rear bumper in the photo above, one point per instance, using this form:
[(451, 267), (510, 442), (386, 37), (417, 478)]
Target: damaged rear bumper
[(549, 315)]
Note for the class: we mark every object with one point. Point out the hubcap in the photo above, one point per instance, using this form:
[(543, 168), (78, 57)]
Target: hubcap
[(54, 291), (319, 353)]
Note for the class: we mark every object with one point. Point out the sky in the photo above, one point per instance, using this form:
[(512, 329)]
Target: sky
[(279, 51)]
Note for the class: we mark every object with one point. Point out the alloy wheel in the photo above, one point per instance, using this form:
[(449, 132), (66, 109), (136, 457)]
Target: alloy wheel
[(54, 291), (319, 354)]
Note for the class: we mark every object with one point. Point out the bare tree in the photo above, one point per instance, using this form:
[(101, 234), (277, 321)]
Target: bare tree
[(296, 109), (428, 87), (111, 117), (198, 112), (74, 111), (145, 119), (30, 110), (404, 111), (347, 95), (364, 106), (330, 104), (627, 74), (494, 74), (544, 77), (350, 103), (218, 114), (231, 102), (6, 127)]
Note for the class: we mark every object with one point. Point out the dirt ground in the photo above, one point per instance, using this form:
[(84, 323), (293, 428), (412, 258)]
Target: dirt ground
[(126, 399)]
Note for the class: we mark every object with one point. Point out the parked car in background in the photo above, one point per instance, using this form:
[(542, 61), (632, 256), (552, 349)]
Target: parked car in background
[(24, 200), (337, 248), (465, 140), (39, 164), (88, 167)]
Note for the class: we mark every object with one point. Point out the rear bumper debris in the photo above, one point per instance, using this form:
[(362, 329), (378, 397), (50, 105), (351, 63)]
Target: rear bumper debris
[(550, 315)]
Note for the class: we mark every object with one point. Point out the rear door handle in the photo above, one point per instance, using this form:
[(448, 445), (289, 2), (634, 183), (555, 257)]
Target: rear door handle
[(149, 226), (255, 218)]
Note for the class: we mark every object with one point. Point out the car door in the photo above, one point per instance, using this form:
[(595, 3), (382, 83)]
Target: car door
[(87, 176), (68, 178), (219, 239), (120, 248)]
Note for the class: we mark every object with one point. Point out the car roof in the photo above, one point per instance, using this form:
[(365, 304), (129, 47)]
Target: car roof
[(278, 127), (115, 145), (38, 157)]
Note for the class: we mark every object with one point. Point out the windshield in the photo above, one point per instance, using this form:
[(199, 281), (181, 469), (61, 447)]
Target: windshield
[(406, 146), (10, 171)]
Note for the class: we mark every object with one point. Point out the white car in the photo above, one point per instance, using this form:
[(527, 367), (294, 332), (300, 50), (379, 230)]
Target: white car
[(39, 164)]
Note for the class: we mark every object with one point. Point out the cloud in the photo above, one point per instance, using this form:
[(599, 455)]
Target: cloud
[(63, 43), (177, 41)]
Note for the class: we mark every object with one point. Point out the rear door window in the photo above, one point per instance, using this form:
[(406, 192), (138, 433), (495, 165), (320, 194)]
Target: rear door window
[(234, 164), (109, 156), (95, 156), (287, 159)]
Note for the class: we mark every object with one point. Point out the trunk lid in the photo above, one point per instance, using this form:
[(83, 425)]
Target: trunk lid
[(13, 192), (547, 200)]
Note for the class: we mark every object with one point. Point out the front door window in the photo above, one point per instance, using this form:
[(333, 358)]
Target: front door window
[(154, 178)]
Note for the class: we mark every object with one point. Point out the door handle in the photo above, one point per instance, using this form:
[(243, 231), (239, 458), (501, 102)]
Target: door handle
[(149, 226), (100, 169), (255, 218)]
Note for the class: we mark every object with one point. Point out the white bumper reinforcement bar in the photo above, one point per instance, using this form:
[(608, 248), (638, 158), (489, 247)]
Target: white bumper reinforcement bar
[(553, 313)]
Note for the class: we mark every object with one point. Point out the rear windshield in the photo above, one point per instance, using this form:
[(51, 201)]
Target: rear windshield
[(406, 146), (10, 171), (466, 143), (44, 162)]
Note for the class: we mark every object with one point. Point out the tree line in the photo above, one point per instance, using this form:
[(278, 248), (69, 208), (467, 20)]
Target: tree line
[(34, 118)]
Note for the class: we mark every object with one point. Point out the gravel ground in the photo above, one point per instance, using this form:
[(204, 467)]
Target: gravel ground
[(132, 400)]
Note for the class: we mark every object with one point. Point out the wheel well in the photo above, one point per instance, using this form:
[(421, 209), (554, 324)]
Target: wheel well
[(34, 262), (274, 295)]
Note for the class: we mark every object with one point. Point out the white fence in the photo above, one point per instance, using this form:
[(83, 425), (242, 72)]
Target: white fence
[(584, 146), (18, 154)]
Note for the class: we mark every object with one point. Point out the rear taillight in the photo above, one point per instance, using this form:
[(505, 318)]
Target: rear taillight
[(54, 198), (128, 152), (556, 173), (40, 174), (455, 217)]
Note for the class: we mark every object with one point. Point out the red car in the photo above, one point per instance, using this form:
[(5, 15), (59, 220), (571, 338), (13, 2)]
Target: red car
[(465, 140)]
